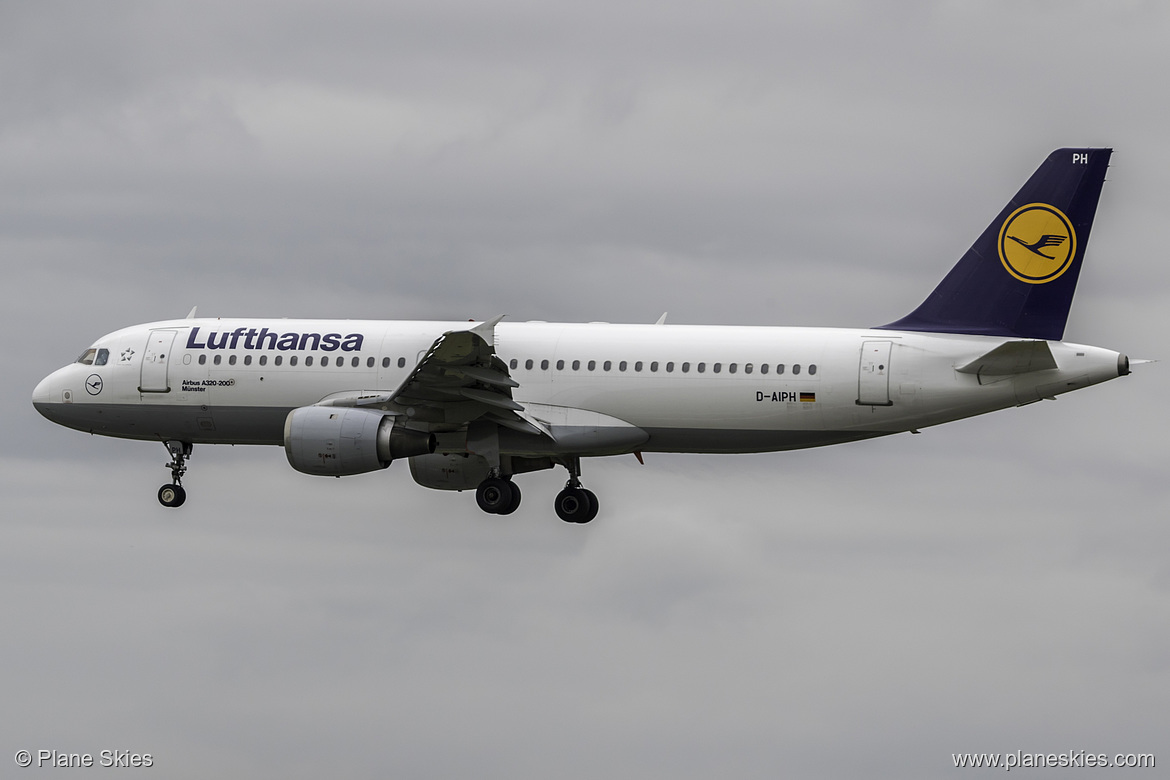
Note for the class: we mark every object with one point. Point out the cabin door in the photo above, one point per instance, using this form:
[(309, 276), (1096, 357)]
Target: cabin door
[(873, 379), (155, 359)]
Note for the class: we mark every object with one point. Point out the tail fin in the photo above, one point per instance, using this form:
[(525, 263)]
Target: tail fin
[(1018, 278)]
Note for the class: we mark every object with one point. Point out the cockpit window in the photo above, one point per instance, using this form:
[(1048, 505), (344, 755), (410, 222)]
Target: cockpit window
[(103, 355), (87, 357)]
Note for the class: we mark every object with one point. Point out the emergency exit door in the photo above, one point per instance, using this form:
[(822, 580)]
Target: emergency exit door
[(873, 378)]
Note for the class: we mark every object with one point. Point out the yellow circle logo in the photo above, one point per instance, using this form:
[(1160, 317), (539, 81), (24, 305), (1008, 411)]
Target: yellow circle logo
[(1037, 243)]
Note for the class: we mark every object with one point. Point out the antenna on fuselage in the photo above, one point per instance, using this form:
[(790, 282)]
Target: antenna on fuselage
[(191, 314)]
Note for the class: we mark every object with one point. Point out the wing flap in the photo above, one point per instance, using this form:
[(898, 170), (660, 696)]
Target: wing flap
[(460, 379)]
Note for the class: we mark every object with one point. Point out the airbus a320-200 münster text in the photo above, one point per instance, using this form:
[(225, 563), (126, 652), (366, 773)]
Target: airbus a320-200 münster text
[(472, 406)]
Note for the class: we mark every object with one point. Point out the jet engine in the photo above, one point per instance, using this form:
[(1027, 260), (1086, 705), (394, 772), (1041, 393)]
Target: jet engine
[(337, 441)]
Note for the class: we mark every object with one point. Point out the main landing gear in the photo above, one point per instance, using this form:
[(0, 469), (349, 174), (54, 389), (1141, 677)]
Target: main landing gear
[(575, 504), (173, 495), (499, 495)]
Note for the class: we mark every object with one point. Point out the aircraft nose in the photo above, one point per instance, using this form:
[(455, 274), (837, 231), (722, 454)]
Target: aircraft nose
[(47, 395), (43, 392)]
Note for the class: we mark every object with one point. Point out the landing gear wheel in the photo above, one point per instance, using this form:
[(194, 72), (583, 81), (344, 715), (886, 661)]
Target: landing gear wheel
[(514, 504), (593, 504), (497, 496), (172, 495), (576, 505)]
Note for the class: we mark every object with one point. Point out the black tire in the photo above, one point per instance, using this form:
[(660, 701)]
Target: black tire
[(172, 495), (494, 495), (593, 505), (576, 505), (514, 503)]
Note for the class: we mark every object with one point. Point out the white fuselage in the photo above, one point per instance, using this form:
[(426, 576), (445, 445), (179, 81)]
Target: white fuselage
[(689, 388)]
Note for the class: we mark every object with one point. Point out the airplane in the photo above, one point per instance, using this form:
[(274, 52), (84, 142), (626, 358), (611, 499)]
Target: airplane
[(471, 406)]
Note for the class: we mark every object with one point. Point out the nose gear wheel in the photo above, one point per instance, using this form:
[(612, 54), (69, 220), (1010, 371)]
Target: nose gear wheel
[(173, 495)]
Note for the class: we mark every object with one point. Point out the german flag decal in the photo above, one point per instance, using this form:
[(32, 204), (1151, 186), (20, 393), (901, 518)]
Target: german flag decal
[(808, 398)]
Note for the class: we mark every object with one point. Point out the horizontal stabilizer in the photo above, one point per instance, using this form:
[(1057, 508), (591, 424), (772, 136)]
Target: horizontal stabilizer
[(1012, 357)]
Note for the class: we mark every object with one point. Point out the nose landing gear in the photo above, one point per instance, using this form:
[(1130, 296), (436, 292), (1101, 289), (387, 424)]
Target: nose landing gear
[(173, 495)]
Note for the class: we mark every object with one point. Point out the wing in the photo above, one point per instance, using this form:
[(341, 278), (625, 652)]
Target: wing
[(459, 380)]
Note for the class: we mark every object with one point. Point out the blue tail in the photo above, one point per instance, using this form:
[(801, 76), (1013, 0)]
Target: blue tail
[(1019, 277)]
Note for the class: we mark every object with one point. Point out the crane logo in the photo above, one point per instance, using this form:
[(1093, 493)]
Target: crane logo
[(1037, 243)]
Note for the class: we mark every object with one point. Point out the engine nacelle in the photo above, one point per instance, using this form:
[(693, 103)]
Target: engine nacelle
[(336, 441)]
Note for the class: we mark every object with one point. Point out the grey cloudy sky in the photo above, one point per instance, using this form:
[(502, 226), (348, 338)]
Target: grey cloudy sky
[(997, 584)]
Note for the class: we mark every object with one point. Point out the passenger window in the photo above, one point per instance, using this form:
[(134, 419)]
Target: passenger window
[(514, 363), (812, 370), (278, 360), (402, 362), (779, 368), (103, 356), (86, 358), (796, 368), (528, 364), (217, 359), (622, 366), (203, 360), (686, 367), (231, 360), (763, 368), (385, 362), (264, 360), (669, 367), (702, 367), (369, 362), (654, 366), (638, 366), (747, 368), (592, 365), (731, 368), (308, 360), (607, 365), (560, 365), (576, 365), (292, 361), (354, 363), (247, 360), (544, 365), (717, 368)]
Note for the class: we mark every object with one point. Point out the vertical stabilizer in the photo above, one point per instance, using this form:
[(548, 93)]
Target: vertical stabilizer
[(1019, 277)]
